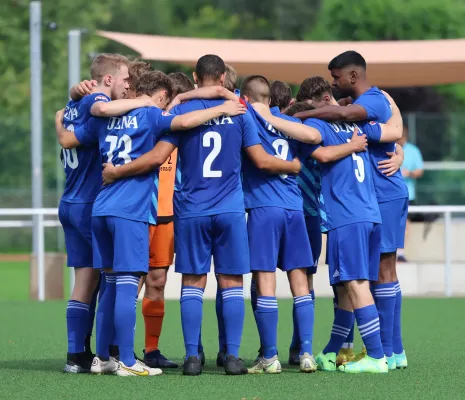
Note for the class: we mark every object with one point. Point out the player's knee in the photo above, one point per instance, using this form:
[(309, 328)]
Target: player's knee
[(298, 282), (387, 268), (229, 281)]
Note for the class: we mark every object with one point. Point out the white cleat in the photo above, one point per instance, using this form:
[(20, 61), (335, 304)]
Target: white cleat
[(100, 367), (266, 366), (138, 369), (307, 363)]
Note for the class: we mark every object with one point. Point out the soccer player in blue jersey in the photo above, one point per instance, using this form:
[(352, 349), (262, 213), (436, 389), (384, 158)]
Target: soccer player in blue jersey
[(354, 239), (276, 227), (109, 73), (124, 207), (210, 216), (349, 77)]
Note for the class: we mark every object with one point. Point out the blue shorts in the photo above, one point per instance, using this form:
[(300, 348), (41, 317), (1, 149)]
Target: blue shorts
[(353, 252), (120, 244), (394, 217), (76, 219), (223, 236), (278, 239), (314, 234)]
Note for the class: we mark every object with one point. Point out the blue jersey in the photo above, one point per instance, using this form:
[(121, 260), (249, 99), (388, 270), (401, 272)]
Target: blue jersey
[(378, 109), (262, 189), (347, 184), (82, 164), (122, 140), (210, 162)]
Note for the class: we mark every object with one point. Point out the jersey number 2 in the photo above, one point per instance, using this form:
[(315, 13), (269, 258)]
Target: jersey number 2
[(207, 165), (360, 169), (124, 141)]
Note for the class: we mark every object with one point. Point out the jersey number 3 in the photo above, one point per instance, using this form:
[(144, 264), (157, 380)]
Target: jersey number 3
[(124, 145), (207, 140), (360, 169)]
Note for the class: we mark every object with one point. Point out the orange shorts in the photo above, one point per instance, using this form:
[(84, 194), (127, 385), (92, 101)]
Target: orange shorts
[(161, 245)]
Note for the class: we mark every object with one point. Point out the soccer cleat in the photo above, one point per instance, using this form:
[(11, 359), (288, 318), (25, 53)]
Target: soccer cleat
[(78, 363), (361, 355), (326, 362), (366, 364), (307, 363), (344, 356), (192, 366), (266, 365), (220, 359), (138, 369), (234, 366), (259, 356), (294, 357), (401, 360), (101, 367), (391, 361), (155, 359)]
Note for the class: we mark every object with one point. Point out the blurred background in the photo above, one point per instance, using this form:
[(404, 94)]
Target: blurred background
[(434, 115)]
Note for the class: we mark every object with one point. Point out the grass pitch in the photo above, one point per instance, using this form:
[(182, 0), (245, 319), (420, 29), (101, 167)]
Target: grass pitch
[(33, 351)]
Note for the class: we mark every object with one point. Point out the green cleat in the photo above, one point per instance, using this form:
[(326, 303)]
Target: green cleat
[(401, 360), (366, 364), (326, 362), (391, 361)]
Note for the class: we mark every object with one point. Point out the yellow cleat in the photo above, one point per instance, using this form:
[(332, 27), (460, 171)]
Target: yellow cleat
[(345, 356), (361, 355)]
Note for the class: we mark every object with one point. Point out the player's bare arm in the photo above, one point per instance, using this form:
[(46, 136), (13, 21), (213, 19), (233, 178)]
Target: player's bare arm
[(82, 89), (146, 163), (273, 165), (295, 130), (66, 138), (391, 165), (391, 131), (118, 107), (195, 118), (335, 113), (211, 92), (357, 144)]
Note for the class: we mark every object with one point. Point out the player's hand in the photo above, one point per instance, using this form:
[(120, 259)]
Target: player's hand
[(297, 165), (59, 116), (359, 142), (109, 174), (263, 110), (85, 87), (390, 166), (175, 102), (231, 108), (405, 173)]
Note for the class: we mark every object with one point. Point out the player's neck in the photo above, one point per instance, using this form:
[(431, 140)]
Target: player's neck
[(361, 88), (209, 83), (102, 89)]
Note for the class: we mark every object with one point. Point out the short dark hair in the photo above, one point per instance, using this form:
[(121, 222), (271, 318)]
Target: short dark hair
[(347, 59), (106, 64), (137, 68), (152, 81), (181, 83), (256, 88), (313, 88), (299, 107), (210, 66), (230, 79), (281, 94)]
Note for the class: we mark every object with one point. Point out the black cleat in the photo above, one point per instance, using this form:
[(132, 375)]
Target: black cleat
[(78, 363), (192, 366), (234, 366), (294, 358), (155, 359), (220, 359)]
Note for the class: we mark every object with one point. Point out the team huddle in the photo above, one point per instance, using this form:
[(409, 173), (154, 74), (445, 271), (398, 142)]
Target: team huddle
[(249, 176)]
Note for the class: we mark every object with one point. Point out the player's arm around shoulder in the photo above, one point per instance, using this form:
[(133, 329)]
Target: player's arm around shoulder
[(66, 138), (82, 89), (212, 92), (116, 108), (273, 165), (325, 154), (352, 112), (391, 131)]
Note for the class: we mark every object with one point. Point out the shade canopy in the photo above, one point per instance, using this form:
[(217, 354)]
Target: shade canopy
[(390, 64)]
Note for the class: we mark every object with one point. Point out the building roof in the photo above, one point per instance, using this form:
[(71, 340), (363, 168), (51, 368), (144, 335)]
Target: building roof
[(390, 63)]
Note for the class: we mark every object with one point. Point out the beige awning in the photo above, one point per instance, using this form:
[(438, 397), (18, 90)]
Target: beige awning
[(390, 64)]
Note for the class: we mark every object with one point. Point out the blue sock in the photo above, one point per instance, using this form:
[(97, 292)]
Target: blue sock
[(234, 313), (105, 323), (253, 296), (295, 342), (92, 307), (312, 292), (368, 325), (219, 317), (102, 285), (398, 347), (343, 321), (267, 323), (125, 316), (191, 318), (385, 300), (305, 316), (77, 314), (200, 345)]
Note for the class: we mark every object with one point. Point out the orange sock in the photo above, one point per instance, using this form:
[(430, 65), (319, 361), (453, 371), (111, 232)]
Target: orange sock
[(153, 312)]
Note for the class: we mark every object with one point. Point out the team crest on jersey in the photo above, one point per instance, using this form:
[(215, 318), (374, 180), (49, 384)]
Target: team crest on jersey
[(100, 97), (372, 123), (165, 114)]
